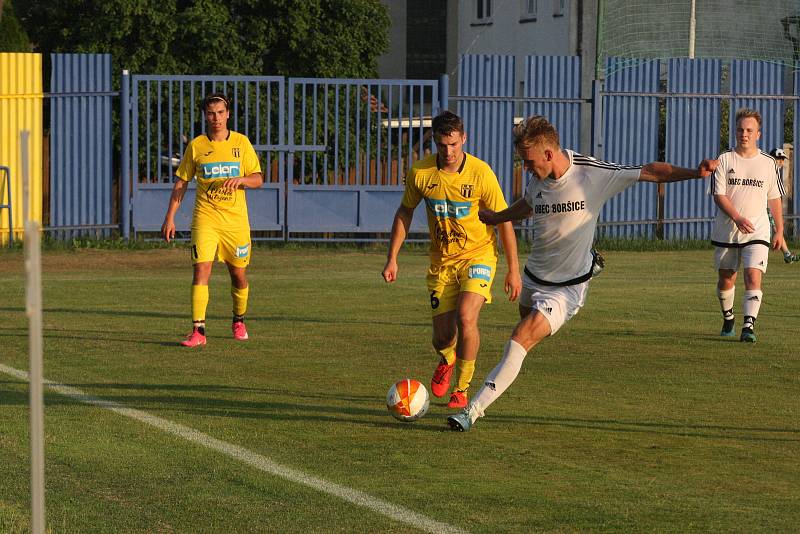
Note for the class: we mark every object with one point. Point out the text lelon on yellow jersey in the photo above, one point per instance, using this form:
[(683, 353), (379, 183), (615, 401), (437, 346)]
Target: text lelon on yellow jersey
[(211, 163), (452, 201)]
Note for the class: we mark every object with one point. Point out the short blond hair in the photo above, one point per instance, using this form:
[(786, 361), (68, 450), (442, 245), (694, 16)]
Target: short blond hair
[(746, 113), (533, 131)]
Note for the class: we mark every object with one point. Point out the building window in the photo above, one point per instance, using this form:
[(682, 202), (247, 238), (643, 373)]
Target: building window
[(528, 10), (426, 40), (483, 12), (559, 6)]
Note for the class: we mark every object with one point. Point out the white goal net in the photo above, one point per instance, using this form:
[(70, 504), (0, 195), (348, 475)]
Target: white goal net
[(766, 30)]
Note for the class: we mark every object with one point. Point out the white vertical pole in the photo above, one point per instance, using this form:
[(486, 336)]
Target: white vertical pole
[(692, 30), (33, 308)]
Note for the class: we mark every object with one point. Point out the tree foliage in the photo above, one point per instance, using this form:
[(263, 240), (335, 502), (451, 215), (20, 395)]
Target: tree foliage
[(12, 36), (320, 38)]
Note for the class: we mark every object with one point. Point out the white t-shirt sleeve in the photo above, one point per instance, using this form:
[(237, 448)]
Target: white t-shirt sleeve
[(718, 185), (617, 180)]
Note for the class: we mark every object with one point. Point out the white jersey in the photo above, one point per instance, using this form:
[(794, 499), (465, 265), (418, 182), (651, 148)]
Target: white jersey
[(748, 183), (565, 212)]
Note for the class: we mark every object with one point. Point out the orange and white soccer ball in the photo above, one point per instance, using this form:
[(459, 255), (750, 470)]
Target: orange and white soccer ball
[(407, 400)]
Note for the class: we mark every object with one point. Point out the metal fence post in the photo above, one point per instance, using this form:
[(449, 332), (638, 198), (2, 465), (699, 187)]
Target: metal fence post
[(444, 91), (125, 158), (597, 119)]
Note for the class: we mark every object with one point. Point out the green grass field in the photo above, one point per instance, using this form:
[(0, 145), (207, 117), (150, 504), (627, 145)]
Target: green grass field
[(636, 416)]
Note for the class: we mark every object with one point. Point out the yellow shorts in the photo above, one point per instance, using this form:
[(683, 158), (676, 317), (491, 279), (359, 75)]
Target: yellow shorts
[(445, 282), (230, 246)]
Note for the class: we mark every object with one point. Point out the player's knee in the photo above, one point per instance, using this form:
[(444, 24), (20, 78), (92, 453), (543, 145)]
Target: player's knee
[(467, 320)]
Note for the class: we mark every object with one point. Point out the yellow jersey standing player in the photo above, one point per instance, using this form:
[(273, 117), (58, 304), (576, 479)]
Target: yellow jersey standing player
[(454, 186), (224, 164)]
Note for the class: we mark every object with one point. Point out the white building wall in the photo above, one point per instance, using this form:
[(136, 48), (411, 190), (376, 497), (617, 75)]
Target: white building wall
[(512, 32)]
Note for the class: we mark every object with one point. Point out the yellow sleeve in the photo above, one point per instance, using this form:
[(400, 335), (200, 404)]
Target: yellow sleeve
[(412, 195), (186, 169), (250, 162)]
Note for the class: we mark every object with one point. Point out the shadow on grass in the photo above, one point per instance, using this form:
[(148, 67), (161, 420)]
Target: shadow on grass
[(305, 409), (686, 430), (313, 319)]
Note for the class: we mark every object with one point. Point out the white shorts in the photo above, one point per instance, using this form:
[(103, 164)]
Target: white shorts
[(751, 257), (558, 304)]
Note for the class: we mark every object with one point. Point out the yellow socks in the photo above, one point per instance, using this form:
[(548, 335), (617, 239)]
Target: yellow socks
[(448, 353), (239, 300), (199, 304), (465, 371)]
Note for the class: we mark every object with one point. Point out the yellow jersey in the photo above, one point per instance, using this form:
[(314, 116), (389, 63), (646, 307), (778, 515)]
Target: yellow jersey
[(452, 201), (211, 163)]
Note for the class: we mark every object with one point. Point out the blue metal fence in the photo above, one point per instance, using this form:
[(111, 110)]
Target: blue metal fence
[(352, 142), (763, 84), (795, 203), (692, 134), (335, 152), (165, 115), (81, 161), (631, 124), (553, 89), (486, 104)]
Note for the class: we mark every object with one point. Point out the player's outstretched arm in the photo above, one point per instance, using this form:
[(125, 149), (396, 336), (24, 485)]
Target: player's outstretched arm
[(663, 172), (175, 199), (400, 226), (515, 212)]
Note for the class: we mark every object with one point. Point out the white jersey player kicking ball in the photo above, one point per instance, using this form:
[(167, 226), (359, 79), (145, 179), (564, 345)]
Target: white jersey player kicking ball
[(745, 183), (564, 198)]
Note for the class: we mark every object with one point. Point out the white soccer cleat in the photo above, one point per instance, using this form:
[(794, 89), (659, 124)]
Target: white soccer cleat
[(599, 263), (463, 421)]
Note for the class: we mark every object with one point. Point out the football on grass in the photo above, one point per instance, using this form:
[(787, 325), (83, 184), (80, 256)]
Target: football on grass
[(407, 400)]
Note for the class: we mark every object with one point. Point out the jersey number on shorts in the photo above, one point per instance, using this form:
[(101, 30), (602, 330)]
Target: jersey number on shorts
[(434, 300)]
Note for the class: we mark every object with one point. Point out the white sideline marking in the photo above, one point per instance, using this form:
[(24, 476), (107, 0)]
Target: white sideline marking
[(359, 498)]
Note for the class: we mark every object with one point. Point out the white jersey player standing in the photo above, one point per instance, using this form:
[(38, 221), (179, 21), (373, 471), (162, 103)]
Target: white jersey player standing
[(564, 198), (745, 183)]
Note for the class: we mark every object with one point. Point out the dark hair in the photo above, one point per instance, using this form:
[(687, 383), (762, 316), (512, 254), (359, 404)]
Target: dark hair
[(215, 97), (447, 122)]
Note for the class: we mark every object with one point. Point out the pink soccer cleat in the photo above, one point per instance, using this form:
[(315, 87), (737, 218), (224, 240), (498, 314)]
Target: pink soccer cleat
[(458, 399), (440, 383), (239, 331), (194, 339)]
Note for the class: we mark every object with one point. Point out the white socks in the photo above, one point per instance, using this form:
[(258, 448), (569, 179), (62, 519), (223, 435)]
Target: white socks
[(726, 302), (752, 303), (498, 380)]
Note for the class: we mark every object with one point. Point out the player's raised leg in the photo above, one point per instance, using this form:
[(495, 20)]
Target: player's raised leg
[(529, 332)]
